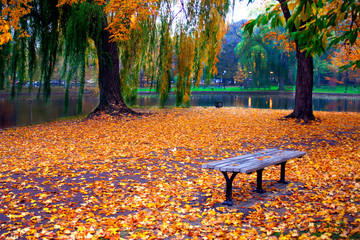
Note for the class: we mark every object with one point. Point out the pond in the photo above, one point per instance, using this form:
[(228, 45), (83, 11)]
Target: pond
[(31, 111)]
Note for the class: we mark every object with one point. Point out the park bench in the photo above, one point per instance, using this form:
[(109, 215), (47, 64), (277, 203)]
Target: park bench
[(250, 163)]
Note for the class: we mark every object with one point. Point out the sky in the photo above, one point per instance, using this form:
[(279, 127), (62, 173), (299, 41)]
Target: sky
[(244, 11)]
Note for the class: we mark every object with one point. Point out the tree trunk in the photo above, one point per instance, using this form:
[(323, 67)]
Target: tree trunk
[(111, 100), (304, 78), (304, 87)]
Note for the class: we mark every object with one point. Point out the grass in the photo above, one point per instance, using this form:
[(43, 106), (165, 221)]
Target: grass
[(338, 89), (341, 89)]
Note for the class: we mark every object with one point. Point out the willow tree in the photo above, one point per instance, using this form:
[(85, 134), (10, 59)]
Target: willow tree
[(49, 27), (282, 55), (141, 31), (314, 26), (253, 54), (182, 43)]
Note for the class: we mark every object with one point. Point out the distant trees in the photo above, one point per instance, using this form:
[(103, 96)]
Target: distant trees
[(228, 60), (263, 60), (237, 57), (282, 56), (254, 59)]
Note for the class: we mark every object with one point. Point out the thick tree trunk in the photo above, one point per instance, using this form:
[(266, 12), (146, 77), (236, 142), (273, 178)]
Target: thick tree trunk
[(304, 78), (304, 87), (111, 100)]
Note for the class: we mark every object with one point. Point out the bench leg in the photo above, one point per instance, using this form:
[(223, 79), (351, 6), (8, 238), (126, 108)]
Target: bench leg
[(259, 181), (282, 173), (229, 182)]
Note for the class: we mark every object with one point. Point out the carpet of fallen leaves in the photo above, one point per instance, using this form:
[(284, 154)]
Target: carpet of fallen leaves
[(141, 177)]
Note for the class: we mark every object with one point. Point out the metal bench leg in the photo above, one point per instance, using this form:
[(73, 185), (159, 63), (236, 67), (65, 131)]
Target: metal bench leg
[(259, 181), (229, 182), (282, 173)]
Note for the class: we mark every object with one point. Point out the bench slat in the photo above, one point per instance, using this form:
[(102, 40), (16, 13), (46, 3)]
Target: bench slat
[(265, 163), (237, 159), (240, 159), (251, 162)]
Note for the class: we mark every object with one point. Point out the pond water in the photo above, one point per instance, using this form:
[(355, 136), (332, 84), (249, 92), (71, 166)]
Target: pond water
[(29, 111)]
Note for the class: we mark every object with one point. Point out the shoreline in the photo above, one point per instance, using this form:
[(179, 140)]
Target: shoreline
[(259, 93), (89, 93)]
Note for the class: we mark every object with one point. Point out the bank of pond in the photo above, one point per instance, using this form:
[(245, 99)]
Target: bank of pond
[(28, 111)]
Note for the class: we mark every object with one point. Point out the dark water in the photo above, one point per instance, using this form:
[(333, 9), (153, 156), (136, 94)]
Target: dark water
[(26, 112)]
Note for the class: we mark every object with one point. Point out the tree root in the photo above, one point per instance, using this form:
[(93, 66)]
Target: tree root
[(113, 110), (301, 118)]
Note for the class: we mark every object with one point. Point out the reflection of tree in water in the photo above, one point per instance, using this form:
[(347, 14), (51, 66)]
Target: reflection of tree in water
[(337, 104), (7, 114)]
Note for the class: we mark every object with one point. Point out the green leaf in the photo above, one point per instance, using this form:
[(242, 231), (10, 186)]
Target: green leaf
[(272, 14), (264, 20), (290, 23), (274, 22), (353, 36), (297, 23), (320, 4), (249, 26)]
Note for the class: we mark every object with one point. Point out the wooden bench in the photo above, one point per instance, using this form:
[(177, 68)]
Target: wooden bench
[(250, 163)]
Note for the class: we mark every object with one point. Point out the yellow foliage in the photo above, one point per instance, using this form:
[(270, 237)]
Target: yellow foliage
[(281, 41), (11, 13), (127, 12), (122, 13), (5, 35)]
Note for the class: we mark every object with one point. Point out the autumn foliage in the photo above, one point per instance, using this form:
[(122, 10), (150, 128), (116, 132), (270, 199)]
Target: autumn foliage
[(141, 178), (11, 12), (123, 13)]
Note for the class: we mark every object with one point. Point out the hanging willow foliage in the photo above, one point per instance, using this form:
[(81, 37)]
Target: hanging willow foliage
[(131, 53), (165, 61), (79, 28), (45, 16), (184, 51), (254, 57), (183, 43), (36, 34), (4, 63)]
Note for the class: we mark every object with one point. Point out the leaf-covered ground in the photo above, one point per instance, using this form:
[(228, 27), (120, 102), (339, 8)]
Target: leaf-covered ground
[(141, 178)]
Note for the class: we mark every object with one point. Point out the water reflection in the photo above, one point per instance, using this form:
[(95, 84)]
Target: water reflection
[(29, 111), (32, 111)]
